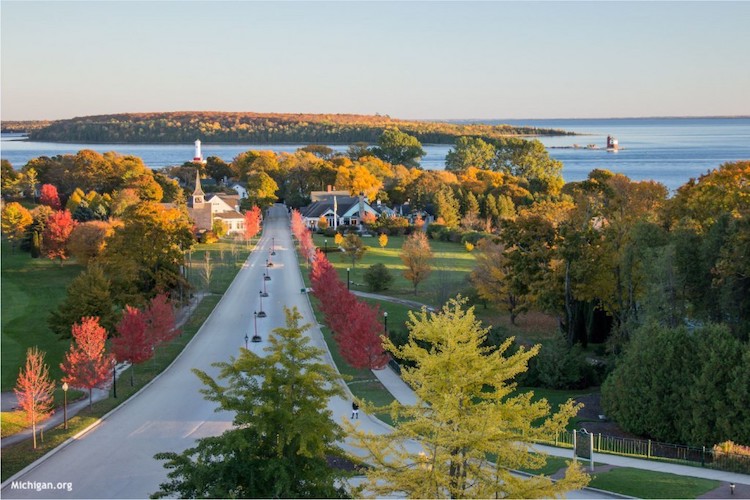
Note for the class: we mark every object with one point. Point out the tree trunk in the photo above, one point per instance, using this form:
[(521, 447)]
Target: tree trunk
[(33, 432), (90, 398)]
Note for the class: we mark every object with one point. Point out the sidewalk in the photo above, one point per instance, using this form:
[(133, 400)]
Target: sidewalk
[(404, 395), (9, 401), (405, 302)]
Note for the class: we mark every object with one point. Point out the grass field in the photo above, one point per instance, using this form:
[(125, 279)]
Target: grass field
[(450, 267), (31, 288), (648, 484)]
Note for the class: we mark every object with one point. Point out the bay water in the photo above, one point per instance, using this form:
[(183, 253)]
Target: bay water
[(667, 150)]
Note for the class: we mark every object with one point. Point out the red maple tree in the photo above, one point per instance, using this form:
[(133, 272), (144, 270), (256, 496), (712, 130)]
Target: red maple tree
[(48, 196), (132, 344), (252, 222), (160, 321), (359, 340), (56, 234), (297, 224), (87, 364), (34, 389)]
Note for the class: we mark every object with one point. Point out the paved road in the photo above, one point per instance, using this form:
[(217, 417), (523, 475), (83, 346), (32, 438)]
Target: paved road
[(115, 460)]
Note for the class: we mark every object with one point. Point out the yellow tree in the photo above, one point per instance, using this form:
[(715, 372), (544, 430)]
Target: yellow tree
[(383, 240), (15, 220), (416, 255), (465, 413)]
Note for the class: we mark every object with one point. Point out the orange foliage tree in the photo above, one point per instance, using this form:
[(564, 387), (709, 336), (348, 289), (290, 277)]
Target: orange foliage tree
[(87, 364), (34, 389), (56, 234), (132, 344)]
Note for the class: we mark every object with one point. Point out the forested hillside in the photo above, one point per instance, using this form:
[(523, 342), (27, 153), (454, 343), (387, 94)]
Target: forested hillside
[(261, 128), (24, 126)]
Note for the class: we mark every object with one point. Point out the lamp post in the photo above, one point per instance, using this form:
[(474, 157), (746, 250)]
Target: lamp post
[(65, 404), (114, 378), (269, 263), (246, 339), (348, 281), (273, 246), (265, 292), (266, 276), (325, 243), (261, 313), (385, 322), (256, 337)]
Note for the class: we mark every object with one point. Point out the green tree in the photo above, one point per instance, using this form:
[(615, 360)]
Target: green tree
[(529, 160), (143, 257), (465, 413), (88, 295), (470, 152), (354, 248), (283, 428), (446, 207), (378, 277), (399, 148)]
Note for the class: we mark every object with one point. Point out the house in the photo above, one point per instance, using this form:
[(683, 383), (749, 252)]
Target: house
[(204, 210), (241, 191), (337, 207)]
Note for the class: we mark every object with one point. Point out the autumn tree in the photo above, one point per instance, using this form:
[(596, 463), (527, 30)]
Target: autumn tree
[(87, 240), (87, 295), (15, 220), (32, 241), (416, 256), (360, 341), (283, 430), (261, 189), (446, 207), (87, 364), (131, 343), (481, 421), (354, 248), (161, 325), (252, 222), (34, 389), (48, 196), (56, 234), (383, 240)]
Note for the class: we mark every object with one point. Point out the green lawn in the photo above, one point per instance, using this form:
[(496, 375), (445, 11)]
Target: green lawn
[(450, 267), (31, 288), (648, 484)]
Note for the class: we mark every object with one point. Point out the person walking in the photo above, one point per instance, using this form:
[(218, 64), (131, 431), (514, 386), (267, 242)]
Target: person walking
[(355, 410)]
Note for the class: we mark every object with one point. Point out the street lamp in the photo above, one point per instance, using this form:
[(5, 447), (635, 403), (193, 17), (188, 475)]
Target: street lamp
[(385, 322), (262, 313), (266, 276), (114, 378), (246, 339), (325, 242), (273, 246), (256, 337), (348, 281), (265, 292), (65, 403), (269, 263)]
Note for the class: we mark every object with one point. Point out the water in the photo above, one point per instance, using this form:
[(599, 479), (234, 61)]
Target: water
[(667, 150)]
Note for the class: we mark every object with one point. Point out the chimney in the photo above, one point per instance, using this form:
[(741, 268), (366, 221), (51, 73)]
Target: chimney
[(330, 188)]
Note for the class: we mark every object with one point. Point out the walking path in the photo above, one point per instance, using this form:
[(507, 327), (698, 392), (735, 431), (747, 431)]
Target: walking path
[(405, 395), (10, 402)]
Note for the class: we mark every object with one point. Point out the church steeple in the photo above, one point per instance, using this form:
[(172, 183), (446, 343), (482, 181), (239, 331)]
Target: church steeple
[(198, 194)]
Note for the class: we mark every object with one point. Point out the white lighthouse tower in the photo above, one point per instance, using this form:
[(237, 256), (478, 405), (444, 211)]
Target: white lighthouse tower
[(198, 158)]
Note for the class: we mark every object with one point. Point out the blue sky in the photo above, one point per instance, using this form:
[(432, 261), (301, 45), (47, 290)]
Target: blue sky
[(408, 60)]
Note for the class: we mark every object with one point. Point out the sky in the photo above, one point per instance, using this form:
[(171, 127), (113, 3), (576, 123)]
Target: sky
[(419, 60)]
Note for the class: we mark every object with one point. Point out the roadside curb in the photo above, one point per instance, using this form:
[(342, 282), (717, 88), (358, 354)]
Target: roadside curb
[(104, 417)]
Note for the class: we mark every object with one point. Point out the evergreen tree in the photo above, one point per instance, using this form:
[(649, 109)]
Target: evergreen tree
[(283, 430), (88, 295)]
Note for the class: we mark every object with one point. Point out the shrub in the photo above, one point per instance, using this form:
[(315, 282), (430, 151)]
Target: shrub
[(329, 232), (378, 277), (434, 231), (473, 237)]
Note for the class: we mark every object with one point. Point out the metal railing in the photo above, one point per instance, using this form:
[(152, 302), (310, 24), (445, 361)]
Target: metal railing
[(649, 449)]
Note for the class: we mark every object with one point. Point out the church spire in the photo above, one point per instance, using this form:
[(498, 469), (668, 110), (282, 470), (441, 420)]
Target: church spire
[(198, 194)]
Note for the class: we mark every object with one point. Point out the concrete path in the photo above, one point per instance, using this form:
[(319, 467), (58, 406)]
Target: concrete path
[(10, 402), (403, 393), (406, 302)]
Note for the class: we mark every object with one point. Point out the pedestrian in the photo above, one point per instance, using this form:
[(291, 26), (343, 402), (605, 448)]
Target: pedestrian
[(355, 410)]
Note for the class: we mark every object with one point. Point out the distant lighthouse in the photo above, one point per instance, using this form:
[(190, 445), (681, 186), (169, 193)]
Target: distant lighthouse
[(198, 158)]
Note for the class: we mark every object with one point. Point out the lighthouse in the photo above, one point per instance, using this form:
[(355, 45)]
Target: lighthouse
[(198, 158)]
